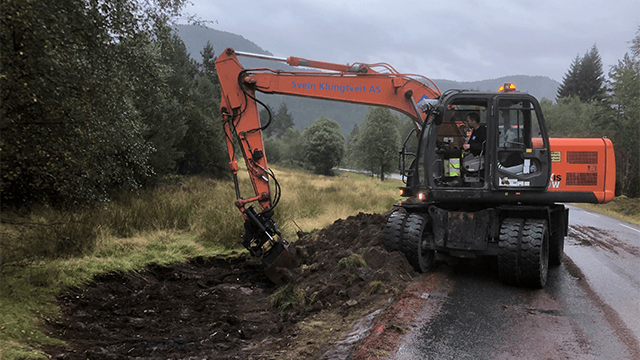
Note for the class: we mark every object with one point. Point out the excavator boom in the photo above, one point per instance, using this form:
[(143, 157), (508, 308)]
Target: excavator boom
[(358, 83)]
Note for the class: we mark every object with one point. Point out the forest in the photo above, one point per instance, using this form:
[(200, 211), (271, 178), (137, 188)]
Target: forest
[(101, 98)]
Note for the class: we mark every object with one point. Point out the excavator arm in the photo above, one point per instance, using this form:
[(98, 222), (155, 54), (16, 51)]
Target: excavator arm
[(371, 84)]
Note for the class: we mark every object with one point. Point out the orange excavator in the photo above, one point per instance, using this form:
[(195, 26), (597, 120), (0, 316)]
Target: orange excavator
[(505, 198)]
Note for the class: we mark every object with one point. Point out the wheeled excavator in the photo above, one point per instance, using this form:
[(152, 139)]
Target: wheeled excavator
[(505, 201)]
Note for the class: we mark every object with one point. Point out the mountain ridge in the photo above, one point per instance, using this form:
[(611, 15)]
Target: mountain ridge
[(304, 111)]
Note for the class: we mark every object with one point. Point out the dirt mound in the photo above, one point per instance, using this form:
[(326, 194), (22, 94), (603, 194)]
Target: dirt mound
[(345, 259), (214, 308)]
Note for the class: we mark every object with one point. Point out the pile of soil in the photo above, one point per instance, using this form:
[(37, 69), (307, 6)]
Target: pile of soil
[(221, 308)]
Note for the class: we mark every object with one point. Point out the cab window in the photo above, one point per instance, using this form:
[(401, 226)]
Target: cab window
[(518, 125)]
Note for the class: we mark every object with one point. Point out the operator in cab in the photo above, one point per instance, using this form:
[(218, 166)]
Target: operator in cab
[(476, 141)]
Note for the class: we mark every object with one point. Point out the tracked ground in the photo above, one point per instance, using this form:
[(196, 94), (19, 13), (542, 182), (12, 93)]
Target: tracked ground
[(215, 308)]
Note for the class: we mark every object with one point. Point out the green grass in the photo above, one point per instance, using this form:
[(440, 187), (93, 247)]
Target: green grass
[(621, 208), (351, 262), (46, 253), (287, 295), (313, 202)]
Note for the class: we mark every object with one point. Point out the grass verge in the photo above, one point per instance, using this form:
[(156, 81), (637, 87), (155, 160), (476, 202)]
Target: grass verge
[(621, 208), (47, 252)]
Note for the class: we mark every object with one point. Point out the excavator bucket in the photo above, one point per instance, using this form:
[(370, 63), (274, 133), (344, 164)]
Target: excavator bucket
[(282, 256), (261, 239)]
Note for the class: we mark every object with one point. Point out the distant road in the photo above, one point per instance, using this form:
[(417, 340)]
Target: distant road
[(393, 176)]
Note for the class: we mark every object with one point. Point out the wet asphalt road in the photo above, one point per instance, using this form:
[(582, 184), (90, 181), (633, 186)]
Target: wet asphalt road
[(590, 308)]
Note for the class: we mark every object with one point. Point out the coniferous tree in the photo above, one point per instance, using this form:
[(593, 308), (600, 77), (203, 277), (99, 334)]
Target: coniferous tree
[(163, 103), (208, 67), (585, 78), (203, 144), (619, 118), (281, 120), (569, 84), (294, 142), (284, 120), (591, 76), (267, 116)]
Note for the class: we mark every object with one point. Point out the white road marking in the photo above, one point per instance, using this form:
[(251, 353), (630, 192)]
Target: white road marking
[(629, 227)]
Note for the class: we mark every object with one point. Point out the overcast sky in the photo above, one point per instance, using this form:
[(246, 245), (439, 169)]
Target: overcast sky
[(462, 40)]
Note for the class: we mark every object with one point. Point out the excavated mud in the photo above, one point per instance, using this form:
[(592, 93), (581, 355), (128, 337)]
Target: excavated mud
[(215, 308)]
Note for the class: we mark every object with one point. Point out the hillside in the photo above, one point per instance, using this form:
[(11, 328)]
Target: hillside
[(305, 111), (195, 38)]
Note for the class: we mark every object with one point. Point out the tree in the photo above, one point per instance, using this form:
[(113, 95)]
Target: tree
[(284, 120), (585, 78), (293, 144), (208, 68), (569, 117), (281, 120), (267, 116), (204, 144), (71, 73), (591, 76), (324, 145), (162, 100), (275, 149), (569, 84), (378, 142), (619, 118), (405, 128), (352, 140)]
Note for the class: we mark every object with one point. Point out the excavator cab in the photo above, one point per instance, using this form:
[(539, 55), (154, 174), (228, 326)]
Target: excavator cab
[(514, 155)]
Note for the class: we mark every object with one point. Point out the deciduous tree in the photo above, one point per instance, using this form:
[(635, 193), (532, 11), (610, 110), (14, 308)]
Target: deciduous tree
[(71, 131), (378, 142), (323, 145)]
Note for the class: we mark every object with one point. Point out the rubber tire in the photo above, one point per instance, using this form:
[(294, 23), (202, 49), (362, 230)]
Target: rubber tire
[(392, 236), (508, 242), (556, 247), (523, 256), (416, 237)]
